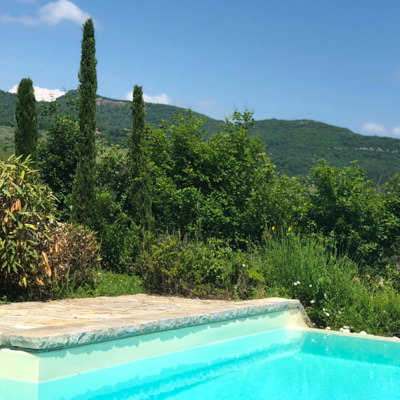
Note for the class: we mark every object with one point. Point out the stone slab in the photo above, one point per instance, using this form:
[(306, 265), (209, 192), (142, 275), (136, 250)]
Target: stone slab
[(44, 326)]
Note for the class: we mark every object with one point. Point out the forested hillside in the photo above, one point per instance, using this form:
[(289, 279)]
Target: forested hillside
[(293, 146)]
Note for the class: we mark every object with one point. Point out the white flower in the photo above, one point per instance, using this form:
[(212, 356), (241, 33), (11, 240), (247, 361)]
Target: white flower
[(298, 282), (243, 265), (312, 301), (327, 314), (295, 283), (309, 285)]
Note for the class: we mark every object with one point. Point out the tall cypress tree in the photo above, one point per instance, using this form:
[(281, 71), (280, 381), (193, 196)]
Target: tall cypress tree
[(139, 197), (83, 193), (26, 129)]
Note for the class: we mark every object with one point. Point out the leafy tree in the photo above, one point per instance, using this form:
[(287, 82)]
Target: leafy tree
[(240, 176), (58, 158), (83, 194), (391, 224), (112, 171), (347, 207), (211, 188), (117, 233), (139, 197), (26, 128)]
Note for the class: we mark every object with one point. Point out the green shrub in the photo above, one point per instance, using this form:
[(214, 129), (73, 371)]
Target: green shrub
[(175, 266), (109, 283), (373, 306), (329, 286), (302, 268), (347, 206), (117, 234), (39, 258), (26, 207)]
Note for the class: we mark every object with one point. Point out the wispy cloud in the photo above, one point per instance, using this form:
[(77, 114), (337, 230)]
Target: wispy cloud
[(373, 128), (51, 14), (158, 98)]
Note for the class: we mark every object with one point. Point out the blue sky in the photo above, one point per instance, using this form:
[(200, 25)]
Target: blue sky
[(332, 61)]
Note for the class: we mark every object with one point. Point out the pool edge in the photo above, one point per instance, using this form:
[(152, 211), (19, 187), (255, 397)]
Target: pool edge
[(64, 338)]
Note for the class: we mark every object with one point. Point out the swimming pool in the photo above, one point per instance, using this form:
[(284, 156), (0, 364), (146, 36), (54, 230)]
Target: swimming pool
[(295, 363)]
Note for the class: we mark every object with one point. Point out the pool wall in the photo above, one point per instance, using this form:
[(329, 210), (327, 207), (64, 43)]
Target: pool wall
[(42, 364)]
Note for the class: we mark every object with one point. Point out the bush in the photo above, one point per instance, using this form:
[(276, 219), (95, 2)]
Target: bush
[(117, 234), (175, 266), (347, 206), (26, 207), (329, 287), (113, 284), (71, 256), (38, 257), (302, 268)]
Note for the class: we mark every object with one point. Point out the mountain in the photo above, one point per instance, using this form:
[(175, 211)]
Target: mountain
[(293, 146)]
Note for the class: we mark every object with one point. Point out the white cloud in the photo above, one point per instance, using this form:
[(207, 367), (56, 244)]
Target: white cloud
[(42, 94), (396, 131), (51, 14), (55, 12), (374, 129), (158, 98)]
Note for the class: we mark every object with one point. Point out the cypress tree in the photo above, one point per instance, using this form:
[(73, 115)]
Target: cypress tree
[(139, 197), (83, 193), (26, 129)]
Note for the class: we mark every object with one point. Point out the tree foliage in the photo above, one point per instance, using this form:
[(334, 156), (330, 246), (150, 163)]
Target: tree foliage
[(58, 157), (83, 193), (138, 196), (210, 188), (26, 128), (347, 207)]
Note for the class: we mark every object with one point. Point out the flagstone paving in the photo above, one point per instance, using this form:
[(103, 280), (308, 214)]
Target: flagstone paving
[(63, 323)]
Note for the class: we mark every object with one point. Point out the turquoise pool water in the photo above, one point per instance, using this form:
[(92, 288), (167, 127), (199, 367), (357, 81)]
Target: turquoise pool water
[(279, 364)]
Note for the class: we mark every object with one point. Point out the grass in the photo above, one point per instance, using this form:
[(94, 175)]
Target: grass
[(6, 141), (109, 283)]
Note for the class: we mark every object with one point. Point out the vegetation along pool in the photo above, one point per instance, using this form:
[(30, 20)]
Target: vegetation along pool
[(286, 363)]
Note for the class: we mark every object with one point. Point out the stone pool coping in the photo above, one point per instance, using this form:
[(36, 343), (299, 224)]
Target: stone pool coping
[(45, 326)]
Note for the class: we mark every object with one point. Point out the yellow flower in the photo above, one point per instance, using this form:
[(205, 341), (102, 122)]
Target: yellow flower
[(273, 228), (368, 276), (289, 229)]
